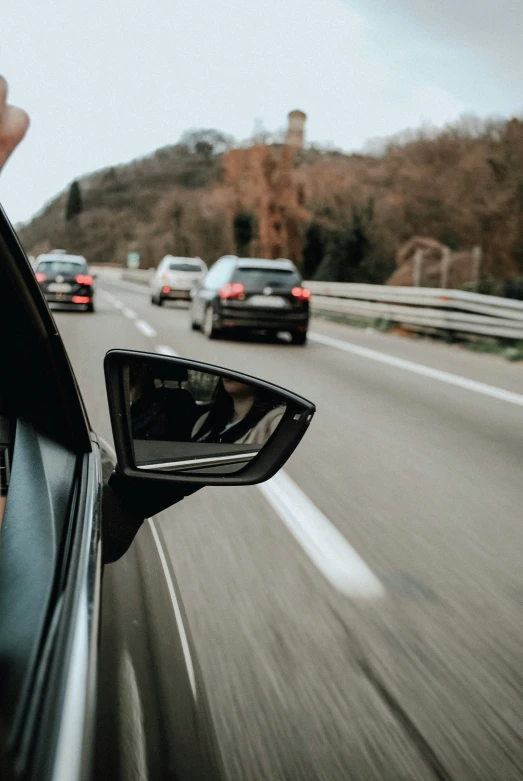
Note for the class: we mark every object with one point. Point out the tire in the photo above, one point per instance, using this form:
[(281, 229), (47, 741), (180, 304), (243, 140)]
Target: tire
[(299, 337), (153, 300), (160, 301), (208, 326), (90, 307), (194, 325)]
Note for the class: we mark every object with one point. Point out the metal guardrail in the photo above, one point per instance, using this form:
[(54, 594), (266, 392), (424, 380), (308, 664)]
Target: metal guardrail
[(455, 311)]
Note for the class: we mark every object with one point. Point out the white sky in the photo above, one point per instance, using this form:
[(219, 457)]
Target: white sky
[(105, 81)]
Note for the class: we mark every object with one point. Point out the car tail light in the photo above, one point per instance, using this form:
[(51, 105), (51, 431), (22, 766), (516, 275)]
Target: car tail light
[(231, 290), (83, 279), (81, 299), (166, 289), (301, 293), (40, 277)]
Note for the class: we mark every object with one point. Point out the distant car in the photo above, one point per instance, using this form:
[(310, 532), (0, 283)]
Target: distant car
[(175, 278), (240, 293), (65, 279)]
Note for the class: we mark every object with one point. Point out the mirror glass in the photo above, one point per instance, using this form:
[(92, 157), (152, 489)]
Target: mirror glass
[(182, 419)]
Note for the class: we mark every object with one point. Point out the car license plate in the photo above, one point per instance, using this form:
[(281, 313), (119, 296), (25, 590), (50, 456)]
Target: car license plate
[(59, 287), (274, 302)]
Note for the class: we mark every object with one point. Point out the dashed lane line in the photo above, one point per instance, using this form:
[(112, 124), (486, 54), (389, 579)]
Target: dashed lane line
[(164, 350), (145, 328), (320, 539)]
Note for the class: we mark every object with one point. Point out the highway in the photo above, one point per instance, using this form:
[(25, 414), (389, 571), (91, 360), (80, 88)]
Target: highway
[(361, 615)]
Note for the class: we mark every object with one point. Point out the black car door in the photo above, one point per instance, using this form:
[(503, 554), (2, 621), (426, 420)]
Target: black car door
[(49, 541)]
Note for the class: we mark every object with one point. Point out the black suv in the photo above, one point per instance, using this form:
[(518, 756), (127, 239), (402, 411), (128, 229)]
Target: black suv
[(65, 280), (241, 293)]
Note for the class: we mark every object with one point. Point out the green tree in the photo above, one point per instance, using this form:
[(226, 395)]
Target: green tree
[(313, 249), (74, 205), (344, 259), (243, 228)]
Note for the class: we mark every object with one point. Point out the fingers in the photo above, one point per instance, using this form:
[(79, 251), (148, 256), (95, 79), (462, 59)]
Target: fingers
[(13, 124)]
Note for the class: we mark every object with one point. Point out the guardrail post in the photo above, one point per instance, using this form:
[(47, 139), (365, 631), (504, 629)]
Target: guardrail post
[(476, 266), (417, 270), (446, 258)]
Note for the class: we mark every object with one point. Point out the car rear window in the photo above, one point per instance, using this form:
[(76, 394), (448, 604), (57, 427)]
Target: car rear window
[(193, 267), (258, 278), (54, 267)]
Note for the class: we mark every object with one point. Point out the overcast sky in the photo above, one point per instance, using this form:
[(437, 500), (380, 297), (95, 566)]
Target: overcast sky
[(105, 81)]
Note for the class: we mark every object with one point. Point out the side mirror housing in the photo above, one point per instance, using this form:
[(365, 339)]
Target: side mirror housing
[(180, 424)]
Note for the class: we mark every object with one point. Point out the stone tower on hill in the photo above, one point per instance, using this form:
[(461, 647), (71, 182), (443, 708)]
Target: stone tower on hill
[(296, 129)]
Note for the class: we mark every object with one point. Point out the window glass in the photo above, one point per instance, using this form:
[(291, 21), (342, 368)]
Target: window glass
[(258, 278), (53, 267), (218, 275), (193, 267)]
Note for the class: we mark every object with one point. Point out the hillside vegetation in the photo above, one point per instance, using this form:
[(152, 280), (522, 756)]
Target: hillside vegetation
[(340, 217)]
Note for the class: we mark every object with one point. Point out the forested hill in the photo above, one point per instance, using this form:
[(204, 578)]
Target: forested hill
[(341, 217)]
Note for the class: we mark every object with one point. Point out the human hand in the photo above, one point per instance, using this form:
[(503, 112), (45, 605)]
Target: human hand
[(13, 124)]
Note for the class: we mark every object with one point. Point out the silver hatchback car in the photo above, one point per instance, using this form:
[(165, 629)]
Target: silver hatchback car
[(175, 278)]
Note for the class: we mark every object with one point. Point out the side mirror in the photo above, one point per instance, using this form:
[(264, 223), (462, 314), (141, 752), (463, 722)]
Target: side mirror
[(188, 424)]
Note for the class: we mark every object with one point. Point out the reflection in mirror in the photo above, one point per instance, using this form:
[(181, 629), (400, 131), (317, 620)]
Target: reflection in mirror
[(183, 419)]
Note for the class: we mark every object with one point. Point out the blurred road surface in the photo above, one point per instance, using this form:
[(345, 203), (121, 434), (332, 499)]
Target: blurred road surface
[(391, 646)]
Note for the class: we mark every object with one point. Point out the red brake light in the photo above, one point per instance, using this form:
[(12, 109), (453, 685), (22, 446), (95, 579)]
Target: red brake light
[(231, 290), (40, 277), (166, 289), (81, 299), (83, 279), (301, 293)]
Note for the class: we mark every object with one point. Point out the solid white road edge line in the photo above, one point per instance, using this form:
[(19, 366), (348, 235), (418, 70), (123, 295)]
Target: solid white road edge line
[(324, 544), (164, 350), (419, 368), (145, 328), (130, 313), (176, 607)]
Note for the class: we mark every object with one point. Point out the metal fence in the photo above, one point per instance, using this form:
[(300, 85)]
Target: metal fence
[(454, 311)]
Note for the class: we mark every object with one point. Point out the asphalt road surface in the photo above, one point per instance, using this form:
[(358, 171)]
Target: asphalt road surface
[(360, 616)]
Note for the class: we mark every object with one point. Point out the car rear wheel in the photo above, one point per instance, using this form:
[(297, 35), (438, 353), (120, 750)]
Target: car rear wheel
[(208, 326), (90, 307), (299, 337), (194, 325)]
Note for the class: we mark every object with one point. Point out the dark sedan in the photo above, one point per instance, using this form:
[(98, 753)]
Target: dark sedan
[(248, 294), (65, 279)]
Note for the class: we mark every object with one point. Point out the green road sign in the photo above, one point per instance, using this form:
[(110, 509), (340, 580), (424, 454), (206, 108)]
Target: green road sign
[(133, 260)]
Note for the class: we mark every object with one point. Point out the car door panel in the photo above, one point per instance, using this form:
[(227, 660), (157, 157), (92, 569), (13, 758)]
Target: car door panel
[(149, 675), (35, 520)]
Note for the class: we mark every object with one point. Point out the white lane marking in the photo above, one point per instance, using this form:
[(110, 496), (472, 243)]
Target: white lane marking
[(107, 295), (145, 328), (118, 304), (130, 313), (107, 446), (164, 350), (131, 735), (419, 368), (176, 608), (322, 541)]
